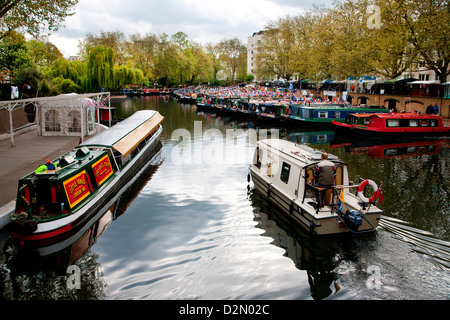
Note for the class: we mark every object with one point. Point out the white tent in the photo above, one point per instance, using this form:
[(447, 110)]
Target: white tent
[(67, 114)]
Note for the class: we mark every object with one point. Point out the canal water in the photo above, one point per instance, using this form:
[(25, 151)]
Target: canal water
[(191, 226)]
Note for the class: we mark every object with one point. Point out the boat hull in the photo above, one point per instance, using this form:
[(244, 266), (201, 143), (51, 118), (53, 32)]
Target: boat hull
[(298, 212), (54, 231)]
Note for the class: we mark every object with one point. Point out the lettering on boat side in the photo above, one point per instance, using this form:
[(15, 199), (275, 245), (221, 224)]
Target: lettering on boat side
[(76, 188), (102, 170), (227, 309)]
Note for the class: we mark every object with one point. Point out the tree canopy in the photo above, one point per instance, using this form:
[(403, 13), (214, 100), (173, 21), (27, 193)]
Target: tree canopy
[(33, 16)]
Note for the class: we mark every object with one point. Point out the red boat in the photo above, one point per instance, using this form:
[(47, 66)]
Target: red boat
[(392, 125)]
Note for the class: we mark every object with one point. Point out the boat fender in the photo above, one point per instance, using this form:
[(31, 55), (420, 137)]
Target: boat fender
[(361, 190)]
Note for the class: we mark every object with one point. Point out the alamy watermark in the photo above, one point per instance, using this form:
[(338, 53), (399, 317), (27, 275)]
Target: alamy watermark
[(374, 279), (74, 278), (213, 147), (374, 20)]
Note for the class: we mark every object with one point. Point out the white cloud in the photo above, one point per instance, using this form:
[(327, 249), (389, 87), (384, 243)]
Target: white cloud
[(202, 20)]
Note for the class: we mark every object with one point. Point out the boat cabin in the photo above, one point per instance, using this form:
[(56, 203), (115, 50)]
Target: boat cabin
[(283, 171), (405, 120), (291, 167), (78, 175)]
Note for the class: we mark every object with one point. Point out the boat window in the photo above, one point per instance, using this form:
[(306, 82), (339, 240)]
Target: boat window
[(413, 123), (285, 172), (259, 155), (433, 123), (306, 114), (337, 114), (323, 114), (309, 176), (339, 175), (392, 122)]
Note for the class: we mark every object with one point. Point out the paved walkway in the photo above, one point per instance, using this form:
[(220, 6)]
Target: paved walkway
[(28, 153)]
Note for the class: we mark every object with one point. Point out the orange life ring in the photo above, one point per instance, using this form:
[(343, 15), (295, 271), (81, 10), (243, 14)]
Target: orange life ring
[(361, 187)]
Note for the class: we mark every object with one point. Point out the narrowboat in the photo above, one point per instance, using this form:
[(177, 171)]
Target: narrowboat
[(393, 125), (61, 195), (283, 171), (271, 111), (324, 115)]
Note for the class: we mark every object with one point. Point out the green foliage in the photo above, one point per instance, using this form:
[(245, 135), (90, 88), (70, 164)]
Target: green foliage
[(30, 16)]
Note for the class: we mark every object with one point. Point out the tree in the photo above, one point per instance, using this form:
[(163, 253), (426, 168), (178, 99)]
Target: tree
[(14, 54), (230, 52), (428, 25), (111, 39), (214, 53), (284, 49), (31, 16), (100, 66), (43, 53)]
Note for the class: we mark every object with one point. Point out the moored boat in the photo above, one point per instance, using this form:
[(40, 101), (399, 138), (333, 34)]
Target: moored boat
[(59, 197), (314, 115), (283, 171), (396, 124)]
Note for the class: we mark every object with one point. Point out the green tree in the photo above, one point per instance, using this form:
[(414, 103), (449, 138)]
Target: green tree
[(231, 50), (115, 40), (279, 52), (14, 54), (30, 16), (428, 25), (43, 53), (99, 68)]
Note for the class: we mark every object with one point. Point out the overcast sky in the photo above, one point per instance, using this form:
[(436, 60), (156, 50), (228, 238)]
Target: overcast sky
[(202, 20)]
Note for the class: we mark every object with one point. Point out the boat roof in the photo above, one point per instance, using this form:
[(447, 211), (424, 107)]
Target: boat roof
[(300, 152), (400, 115), (127, 134)]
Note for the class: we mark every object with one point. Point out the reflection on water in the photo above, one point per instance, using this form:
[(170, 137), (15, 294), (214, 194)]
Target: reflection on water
[(195, 228)]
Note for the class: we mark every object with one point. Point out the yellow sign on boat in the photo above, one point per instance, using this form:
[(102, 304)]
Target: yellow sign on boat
[(102, 170), (76, 188)]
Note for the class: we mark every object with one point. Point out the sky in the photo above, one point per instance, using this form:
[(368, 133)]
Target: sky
[(202, 20)]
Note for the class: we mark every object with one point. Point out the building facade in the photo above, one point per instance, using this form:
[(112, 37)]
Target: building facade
[(252, 49)]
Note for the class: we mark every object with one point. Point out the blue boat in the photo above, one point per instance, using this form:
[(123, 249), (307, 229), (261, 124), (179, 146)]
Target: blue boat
[(323, 114)]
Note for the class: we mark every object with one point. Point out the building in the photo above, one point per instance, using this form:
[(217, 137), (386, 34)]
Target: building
[(252, 49)]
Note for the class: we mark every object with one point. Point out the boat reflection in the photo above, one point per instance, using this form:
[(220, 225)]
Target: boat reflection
[(315, 255), (35, 268), (397, 149)]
